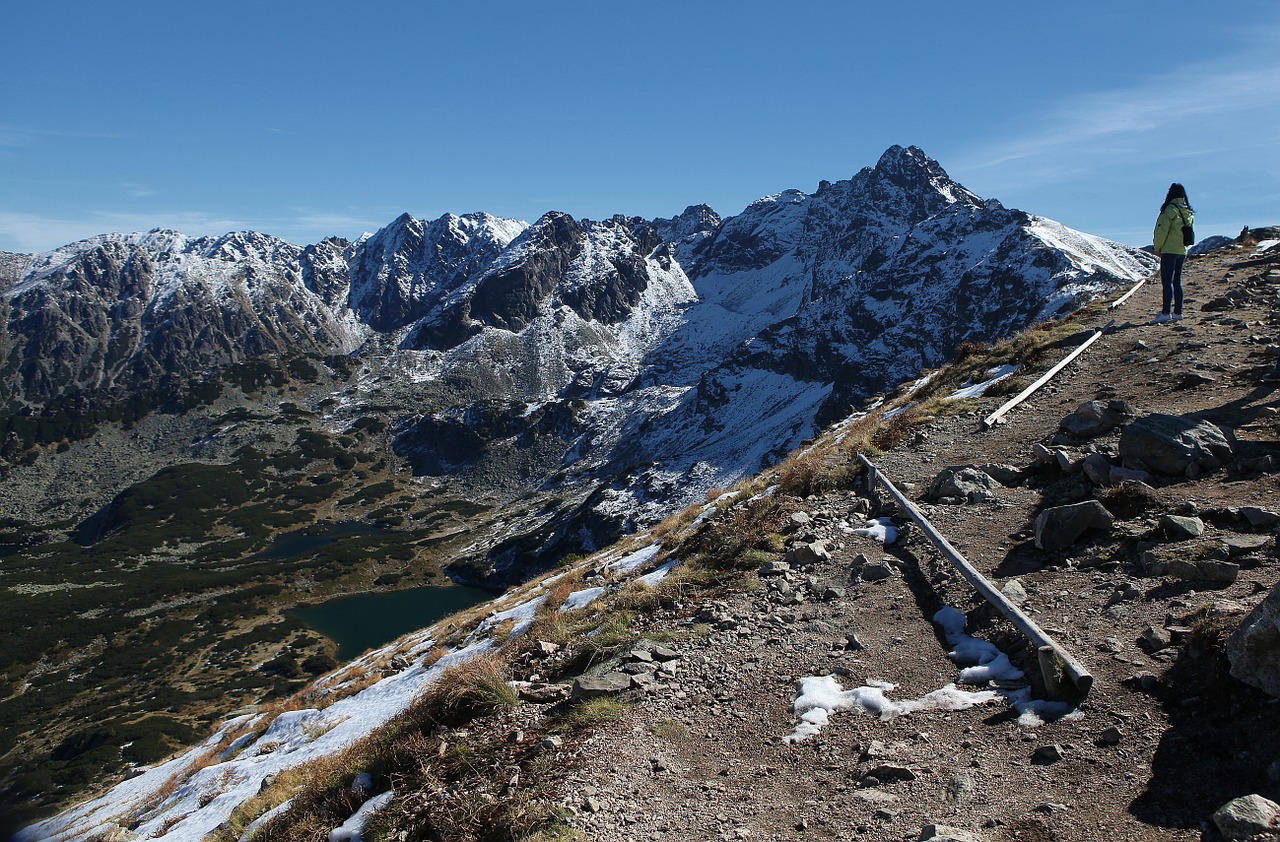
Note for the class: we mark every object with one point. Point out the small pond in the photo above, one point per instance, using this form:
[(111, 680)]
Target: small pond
[(314, 537), (367, 620)]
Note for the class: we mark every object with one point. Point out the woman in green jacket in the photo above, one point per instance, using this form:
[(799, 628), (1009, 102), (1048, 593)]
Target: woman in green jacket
[(1172, 251)]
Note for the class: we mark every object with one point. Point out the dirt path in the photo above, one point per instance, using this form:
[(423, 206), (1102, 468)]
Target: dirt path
[(1164, 737)]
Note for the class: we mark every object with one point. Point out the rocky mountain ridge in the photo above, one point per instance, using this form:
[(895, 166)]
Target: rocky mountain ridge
[(674, 355)]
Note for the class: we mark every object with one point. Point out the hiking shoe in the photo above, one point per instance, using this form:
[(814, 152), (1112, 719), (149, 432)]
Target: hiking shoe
[(1273, 377), (1161, 319), (1176, 317)]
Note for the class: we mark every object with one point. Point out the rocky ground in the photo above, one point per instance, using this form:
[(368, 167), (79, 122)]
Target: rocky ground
[(1164, 738)]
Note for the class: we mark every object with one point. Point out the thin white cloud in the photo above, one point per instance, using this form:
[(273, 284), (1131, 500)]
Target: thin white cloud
[(1214, 107), (14, 135), (138, 191)]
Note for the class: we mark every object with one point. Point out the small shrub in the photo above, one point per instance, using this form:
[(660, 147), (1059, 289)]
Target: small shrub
[(475, 687), (592, 713)]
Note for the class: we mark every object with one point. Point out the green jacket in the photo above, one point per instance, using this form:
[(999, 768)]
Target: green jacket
[(1167, 238)]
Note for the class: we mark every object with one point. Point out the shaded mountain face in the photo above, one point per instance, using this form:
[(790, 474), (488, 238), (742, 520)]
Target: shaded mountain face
[(616, 368)]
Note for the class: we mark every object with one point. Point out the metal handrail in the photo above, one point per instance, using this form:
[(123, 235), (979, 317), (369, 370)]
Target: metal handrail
[(1064, 676), (996, 417)]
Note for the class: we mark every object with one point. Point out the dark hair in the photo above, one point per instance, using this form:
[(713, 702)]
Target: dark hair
[(1176, 191)]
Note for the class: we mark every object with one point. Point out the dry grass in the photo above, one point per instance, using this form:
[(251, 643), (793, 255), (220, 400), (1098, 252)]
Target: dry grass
[(478, 686)]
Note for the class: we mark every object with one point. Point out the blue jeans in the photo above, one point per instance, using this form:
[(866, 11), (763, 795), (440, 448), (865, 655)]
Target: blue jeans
[(1171, 281)]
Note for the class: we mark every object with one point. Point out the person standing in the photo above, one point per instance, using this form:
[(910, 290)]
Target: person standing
[(1176, 217)]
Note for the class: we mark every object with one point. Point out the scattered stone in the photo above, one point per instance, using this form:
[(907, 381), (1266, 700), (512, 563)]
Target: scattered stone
[(1014, 592), (1260, 518), (665, 654), (810, 553), (1096, 418), (1174, 445), (1006, 475), (943, 833), (852, 644), (605, 684), (1044, 755), (1238, 545), (1181, 528), (876, 572), (1058, 527), (1202, 570), (800, 519), (551, 743), (774, 568), (1110, 737), (1153, 639), (1254, 648), (1097, 468), (1246, 817), (965, 483), (592, 805), (889, 773)]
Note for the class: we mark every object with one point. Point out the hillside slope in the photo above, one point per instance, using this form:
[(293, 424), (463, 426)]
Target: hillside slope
[(772, 583)]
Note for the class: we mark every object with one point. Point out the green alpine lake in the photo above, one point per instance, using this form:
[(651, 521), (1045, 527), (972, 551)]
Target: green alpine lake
[(368, 620)]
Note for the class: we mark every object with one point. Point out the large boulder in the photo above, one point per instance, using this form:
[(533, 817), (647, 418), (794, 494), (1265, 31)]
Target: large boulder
[(1254, 647), (965, 483), (1058, 527), (1174, 445), (1248, 817), (1096, 418)]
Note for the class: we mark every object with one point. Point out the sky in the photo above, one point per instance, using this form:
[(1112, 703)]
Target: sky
[(311, 119)]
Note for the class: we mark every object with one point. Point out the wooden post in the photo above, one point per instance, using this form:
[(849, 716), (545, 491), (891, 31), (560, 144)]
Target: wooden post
[(1061, 672)]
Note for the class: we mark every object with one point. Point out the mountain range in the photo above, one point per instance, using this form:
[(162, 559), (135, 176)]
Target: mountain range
[(620, 368)]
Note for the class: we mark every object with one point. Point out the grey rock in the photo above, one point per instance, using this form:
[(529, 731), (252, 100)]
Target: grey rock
[(944, 833), (1246, 817), (774, 568), (1047, 754), (1120, 474), (1238, 545), (888, 773), (1058, 527), (606, 684), (1111, 737), (810, 553), (1174, 445), (1097, 468), (1014, 592), (1254, 647), (799, 519), (877, 572), (1153, 639), (1097, 418), (962, 482), (1180, 528), (1202, 570), (665, 654), (1259, 517), (1006, 475)]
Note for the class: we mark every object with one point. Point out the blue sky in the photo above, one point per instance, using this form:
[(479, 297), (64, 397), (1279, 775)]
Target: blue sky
[(305, 119)]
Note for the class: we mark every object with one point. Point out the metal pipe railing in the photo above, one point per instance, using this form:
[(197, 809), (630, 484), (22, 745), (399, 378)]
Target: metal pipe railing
[(1064, 676), (995, 417)]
